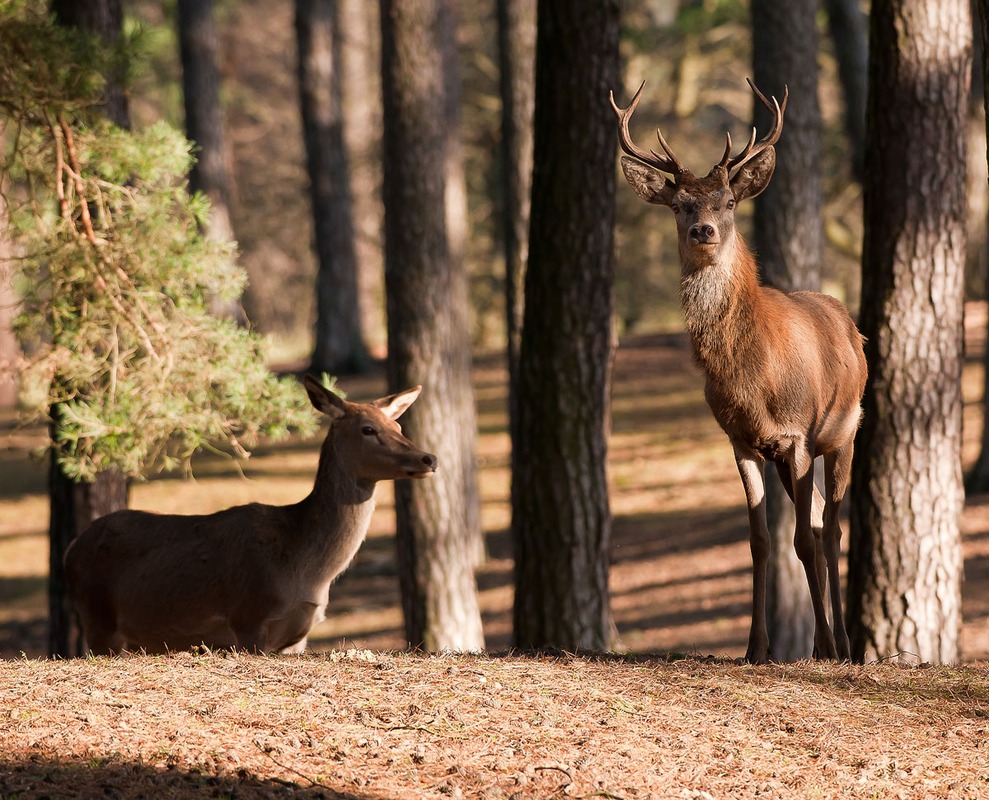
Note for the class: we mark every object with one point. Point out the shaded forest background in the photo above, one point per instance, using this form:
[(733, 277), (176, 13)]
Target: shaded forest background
[(694, 57)]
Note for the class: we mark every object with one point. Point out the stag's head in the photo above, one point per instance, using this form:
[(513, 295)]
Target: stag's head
[(704, 207)]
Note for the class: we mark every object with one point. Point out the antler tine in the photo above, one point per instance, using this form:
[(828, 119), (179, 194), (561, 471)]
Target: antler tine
[(777, 109), (672, 165), (727, 154)]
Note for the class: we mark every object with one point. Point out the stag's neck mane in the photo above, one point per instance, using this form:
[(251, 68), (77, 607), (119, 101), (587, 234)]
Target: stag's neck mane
[(720, 297)]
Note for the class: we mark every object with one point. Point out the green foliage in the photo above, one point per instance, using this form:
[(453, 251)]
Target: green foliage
[(116, 275)]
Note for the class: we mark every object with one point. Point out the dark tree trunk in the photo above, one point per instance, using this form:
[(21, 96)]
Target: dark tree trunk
[(517, 58), (561, 520), (978, 479), (847, 26), (905, 562), (426, 340), (339, 342), (74, 505), (789, 236), (203, 112)]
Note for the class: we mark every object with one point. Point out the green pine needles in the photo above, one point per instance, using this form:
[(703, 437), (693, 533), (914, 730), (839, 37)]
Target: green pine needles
[(115, 275)]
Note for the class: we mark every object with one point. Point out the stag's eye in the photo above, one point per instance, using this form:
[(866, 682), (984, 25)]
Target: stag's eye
[(730, 204), (367, 430), (675, 208)]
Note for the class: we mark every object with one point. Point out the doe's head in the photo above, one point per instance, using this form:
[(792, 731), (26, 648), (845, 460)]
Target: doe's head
[(366, 438), (704, 208)]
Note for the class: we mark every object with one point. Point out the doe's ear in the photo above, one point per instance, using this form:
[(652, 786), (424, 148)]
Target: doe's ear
[(753, 177), (323, 399), (649, 184), (394, 405)]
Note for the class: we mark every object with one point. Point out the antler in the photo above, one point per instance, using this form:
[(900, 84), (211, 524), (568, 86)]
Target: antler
[(751, 150), (672, 164)]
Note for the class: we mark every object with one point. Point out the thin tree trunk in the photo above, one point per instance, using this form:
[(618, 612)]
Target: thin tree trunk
[(517, 58), (203, 112), (458, 229), (426, 340), (359, 29), (561, 519), (339, 344), (847, 26), (789, 238), (905, 562), (9, 346)]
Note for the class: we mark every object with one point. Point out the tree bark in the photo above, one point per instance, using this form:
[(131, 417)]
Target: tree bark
[(339, 343), (9, 346), (904, 592), (458, 230), (561, 520), (426, 340), (789, 236), (517, 59), (204, 114), (74, 505)]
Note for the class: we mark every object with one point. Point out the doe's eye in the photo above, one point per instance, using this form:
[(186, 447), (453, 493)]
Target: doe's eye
[(367, 430)]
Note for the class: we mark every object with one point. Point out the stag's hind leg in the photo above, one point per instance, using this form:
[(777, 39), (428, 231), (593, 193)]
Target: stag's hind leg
[(837, 465), (808, 547), (751, 468)]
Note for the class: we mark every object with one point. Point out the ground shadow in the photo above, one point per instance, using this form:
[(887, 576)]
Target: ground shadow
[(38, 777)]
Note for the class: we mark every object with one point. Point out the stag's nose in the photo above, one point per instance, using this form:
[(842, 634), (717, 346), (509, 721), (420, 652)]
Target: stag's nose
[(429, 461), (702, 232)]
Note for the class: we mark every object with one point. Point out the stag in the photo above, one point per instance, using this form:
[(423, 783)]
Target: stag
[(253, 577), (785, 372)]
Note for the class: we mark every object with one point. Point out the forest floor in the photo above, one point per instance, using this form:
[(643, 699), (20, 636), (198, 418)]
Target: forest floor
[(672, 715)]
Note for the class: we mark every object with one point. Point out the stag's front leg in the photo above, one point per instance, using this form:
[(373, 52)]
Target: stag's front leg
[(838, 466), (751, 468), (807, 546)]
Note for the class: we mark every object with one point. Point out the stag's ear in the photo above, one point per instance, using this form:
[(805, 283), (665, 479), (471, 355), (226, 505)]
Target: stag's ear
[(323, 399), (753, 177), (394, 405), (649, 184)]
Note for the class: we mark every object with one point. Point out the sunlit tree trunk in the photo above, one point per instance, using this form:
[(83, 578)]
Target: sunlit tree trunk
[(789, 236), (905, 561), (561, 519), (427, 343)]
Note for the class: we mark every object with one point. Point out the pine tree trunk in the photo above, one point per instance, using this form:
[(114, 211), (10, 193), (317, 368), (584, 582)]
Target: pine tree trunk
[(10, 348), (74, 505), (904, 591), (847, 26), (561, 520), (458, 230), (359, 29), (517, 59), (339, 343), (203, 112), (789, 238), (427, 343)]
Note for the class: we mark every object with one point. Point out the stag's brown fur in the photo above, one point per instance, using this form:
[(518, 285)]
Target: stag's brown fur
[(254, 577), (785, 372)]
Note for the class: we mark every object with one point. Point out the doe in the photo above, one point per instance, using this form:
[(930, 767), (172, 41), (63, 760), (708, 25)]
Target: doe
[(253, 577), (785, 372)]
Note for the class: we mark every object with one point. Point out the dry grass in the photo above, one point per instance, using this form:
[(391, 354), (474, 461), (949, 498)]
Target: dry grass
[(364, 725), (371, 723)]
